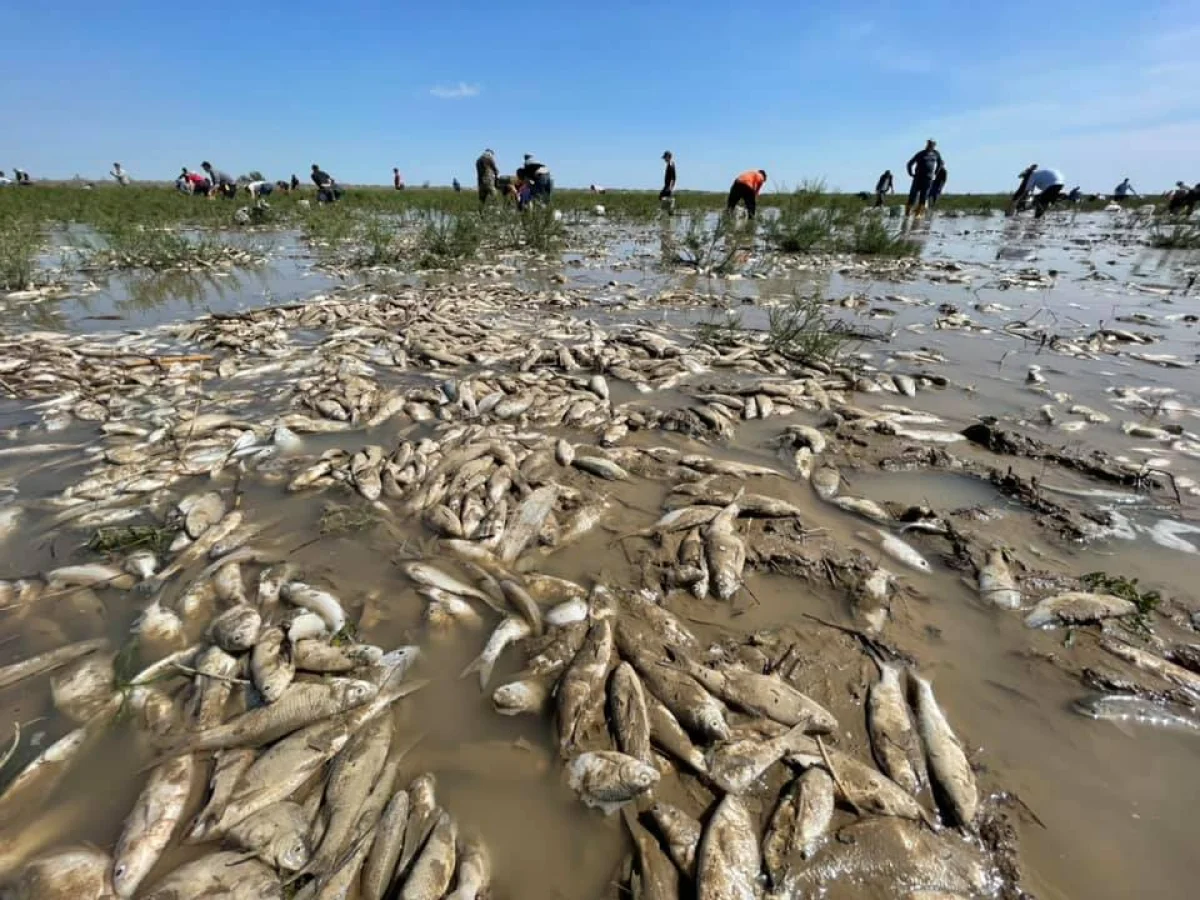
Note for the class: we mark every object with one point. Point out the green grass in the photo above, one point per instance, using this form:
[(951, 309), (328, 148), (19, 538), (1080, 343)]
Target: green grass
[(803, 331), (20, 242), (1127, 589), (872, 237), (447, 241), (1179, 236)]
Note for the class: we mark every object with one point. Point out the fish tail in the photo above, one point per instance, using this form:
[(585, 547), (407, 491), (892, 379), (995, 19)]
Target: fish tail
[(481, 665)]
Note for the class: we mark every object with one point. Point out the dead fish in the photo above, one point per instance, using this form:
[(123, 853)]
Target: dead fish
[(600, 467), (606, 779), (509, 631), (524, 604), (350, 779), (948, 764), (75, 873), (1077, 608), (84, 688), (528, 695), (236, 629), (527, 522), (227, 583), (211, 687), (227, 874), (47, 662), (312, 655), (801, 818), (423, 815), (735, 765), (271, 666), (581, 689), (656, 877), (725, 467), (141, 563), (323, 603), (695, 708), (894, 741), (996, 582), (558, 653), (903, 552), (763, 695), (426, 574), (1151, 662), (434, 868), (868, 509), (692, 558), (228, 769), (862, 787), (151, 822), (380, 864), (729, 860), (158, 629), (1131, 708), (474, 871), (681, 835), (725, 552), (628, 714), (90, 575), (201, 512), (668, 734), (276, 835), (300, 705), (825, 482)]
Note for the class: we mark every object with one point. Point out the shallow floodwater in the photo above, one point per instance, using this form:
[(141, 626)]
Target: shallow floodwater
[(1115, 804)]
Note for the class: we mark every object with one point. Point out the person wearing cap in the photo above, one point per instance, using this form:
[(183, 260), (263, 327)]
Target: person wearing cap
[(745, 189), (486, 173), (1022, 190), (667, 195), (541, 184), (121, 176), (922, 169)]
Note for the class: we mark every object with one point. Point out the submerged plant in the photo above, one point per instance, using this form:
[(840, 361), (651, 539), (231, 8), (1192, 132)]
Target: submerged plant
[(714, 248), (803, 331), (1180, 236), (720, 331), (541, 230), (448, 240), (871, 237)]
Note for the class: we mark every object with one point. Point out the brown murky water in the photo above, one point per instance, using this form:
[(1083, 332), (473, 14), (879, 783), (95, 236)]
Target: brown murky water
[(1111, 805)]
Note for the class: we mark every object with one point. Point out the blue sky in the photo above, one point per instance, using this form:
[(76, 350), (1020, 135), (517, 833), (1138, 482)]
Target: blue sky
[(1098, 89)]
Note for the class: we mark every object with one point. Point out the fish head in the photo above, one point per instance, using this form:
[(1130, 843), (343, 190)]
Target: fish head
[(353, 692), (292, 853), (638, 775)]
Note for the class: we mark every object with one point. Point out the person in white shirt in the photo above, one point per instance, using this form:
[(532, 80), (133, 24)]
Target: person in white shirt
[(1048, 185), (121, 176), (258, 189), (4, 179)]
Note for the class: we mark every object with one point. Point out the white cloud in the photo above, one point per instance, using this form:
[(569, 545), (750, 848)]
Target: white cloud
[(455, 91)]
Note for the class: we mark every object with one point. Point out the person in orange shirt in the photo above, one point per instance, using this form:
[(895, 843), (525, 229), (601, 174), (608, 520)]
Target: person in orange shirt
[(745, 189)]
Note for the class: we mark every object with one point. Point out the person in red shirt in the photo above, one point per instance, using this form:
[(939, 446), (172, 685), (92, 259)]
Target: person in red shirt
[(746, 188)]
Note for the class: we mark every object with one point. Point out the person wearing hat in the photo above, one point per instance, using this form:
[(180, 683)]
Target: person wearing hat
[(745, 189), (486, 173), (667, 195), (922, 169), (541, 184)]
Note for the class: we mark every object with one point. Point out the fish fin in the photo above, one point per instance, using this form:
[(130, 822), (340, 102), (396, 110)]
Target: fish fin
[(483, 667)]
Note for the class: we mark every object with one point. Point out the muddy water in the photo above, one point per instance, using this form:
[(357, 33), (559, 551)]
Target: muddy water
[(1115, 804)]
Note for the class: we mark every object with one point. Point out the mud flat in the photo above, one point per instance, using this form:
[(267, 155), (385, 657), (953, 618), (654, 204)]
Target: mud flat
[(529, 580)]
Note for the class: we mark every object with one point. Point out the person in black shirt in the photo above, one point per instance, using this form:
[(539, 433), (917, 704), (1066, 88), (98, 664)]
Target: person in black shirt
[(884, 186), (486, 174), (295, 182), (666, 196), (921, 169), (327, 189)]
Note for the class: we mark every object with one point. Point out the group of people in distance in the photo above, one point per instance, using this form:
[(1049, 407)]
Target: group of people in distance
[(928, 172), (213, 182), (531, 184)]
